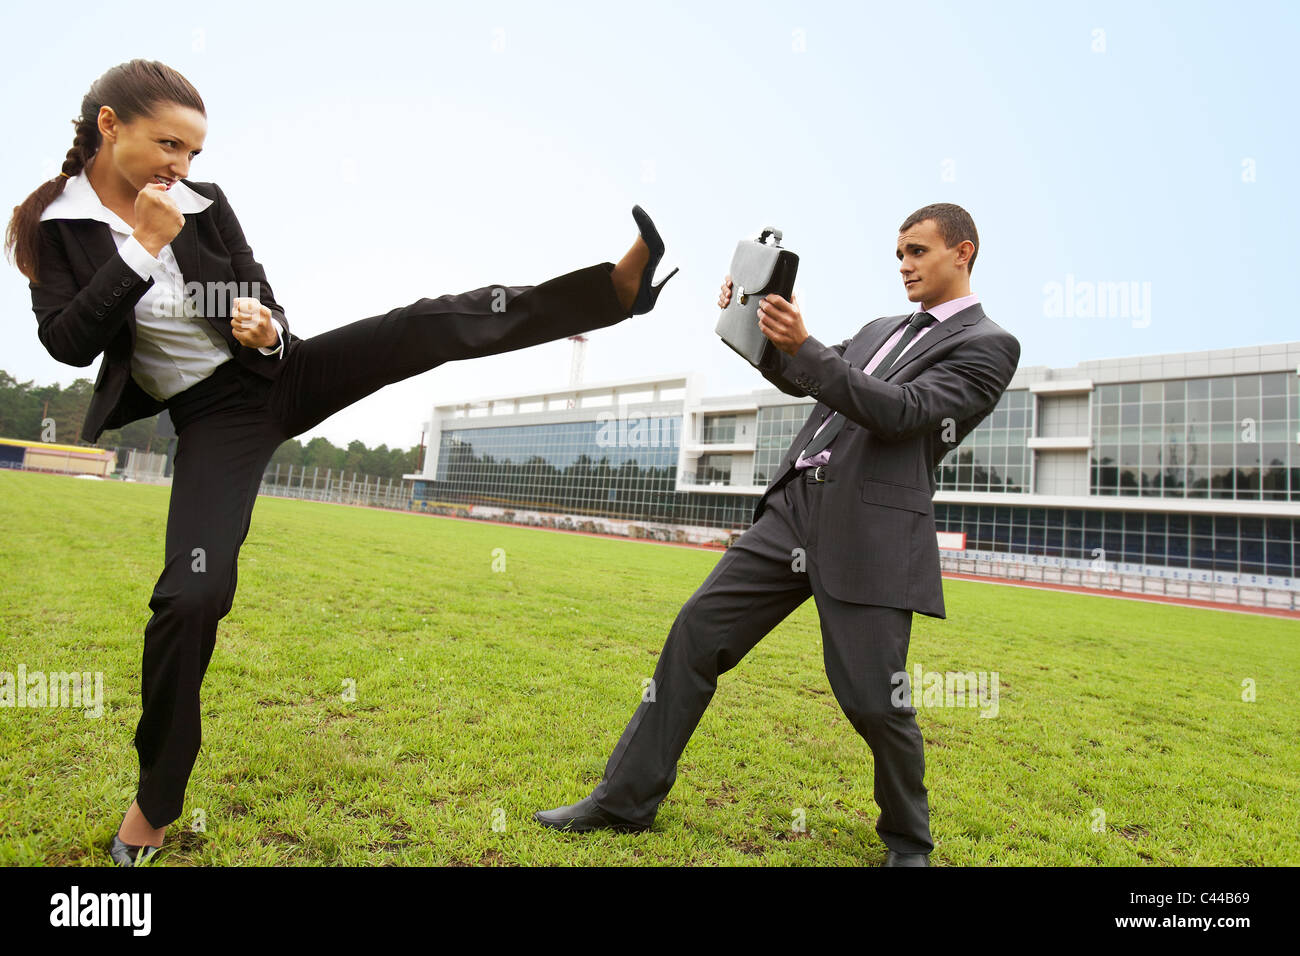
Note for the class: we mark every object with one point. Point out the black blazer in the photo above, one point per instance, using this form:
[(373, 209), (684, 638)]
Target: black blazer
[(876, 531), (85, 301)]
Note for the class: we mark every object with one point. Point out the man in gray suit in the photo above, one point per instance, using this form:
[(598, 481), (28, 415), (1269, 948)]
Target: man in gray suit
[(848, 520)]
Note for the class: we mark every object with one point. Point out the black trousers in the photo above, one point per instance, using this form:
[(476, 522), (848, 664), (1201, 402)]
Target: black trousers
[(231, 423), (754, 586)]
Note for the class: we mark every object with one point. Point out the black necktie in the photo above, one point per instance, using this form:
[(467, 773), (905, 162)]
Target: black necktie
[(828, 433)]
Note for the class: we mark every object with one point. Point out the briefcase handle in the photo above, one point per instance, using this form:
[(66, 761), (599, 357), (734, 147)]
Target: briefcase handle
[(770, 231)]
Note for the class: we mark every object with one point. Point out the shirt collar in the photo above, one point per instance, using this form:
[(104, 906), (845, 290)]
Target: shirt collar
[(80, 201), (950, 308)]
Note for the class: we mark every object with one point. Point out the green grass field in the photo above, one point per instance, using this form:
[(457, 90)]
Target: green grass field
[(484, 695)]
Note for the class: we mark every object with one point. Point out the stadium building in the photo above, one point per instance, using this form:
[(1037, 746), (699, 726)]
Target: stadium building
[(1175, 474)]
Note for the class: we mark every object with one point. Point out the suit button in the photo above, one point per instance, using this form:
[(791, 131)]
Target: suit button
[(126, 283), (117, 292), (99, 312)]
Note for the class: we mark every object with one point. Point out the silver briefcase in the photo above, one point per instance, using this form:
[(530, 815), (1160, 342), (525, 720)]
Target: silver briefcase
[(758, 268)]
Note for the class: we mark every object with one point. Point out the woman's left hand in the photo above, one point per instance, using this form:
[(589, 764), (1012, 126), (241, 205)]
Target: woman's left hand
[(250, 321)]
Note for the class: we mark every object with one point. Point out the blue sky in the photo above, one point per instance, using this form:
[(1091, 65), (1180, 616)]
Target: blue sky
[(377, 153)]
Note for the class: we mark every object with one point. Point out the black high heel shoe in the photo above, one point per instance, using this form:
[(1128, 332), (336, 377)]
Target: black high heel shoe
[(124, 854), (647, 294)]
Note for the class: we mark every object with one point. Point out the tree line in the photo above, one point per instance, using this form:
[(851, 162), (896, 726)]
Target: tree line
[(24, 405)]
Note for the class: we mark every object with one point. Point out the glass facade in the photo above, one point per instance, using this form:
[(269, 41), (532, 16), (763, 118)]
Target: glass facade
[(777, 426), (624, 469), (1231, 543), (1226, 437), (1231, 437), (995, 456), (719, 429), (714, 469)]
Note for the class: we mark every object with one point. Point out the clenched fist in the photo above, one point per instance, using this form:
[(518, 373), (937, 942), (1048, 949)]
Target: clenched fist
[(157, 220), (250, 322)]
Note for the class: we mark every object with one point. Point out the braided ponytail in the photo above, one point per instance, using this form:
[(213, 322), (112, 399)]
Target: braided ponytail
[(84, 145), (131, 89)]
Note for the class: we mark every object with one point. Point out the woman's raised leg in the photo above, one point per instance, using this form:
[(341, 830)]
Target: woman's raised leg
[(330, 371)]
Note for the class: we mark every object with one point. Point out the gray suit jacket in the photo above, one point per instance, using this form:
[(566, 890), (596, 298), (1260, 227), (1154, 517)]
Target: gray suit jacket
[(876, 541)]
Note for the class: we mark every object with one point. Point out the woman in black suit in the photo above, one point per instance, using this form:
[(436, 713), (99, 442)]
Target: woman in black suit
[(127, 258)]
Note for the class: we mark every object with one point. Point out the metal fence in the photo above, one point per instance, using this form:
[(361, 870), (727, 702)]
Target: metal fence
[(311, 484), (1247, 595), (144, 466)]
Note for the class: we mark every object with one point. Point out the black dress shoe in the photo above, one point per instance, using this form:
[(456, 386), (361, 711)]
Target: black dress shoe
[(648, 294), (124, 854), (583, 816), (906, 859)]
